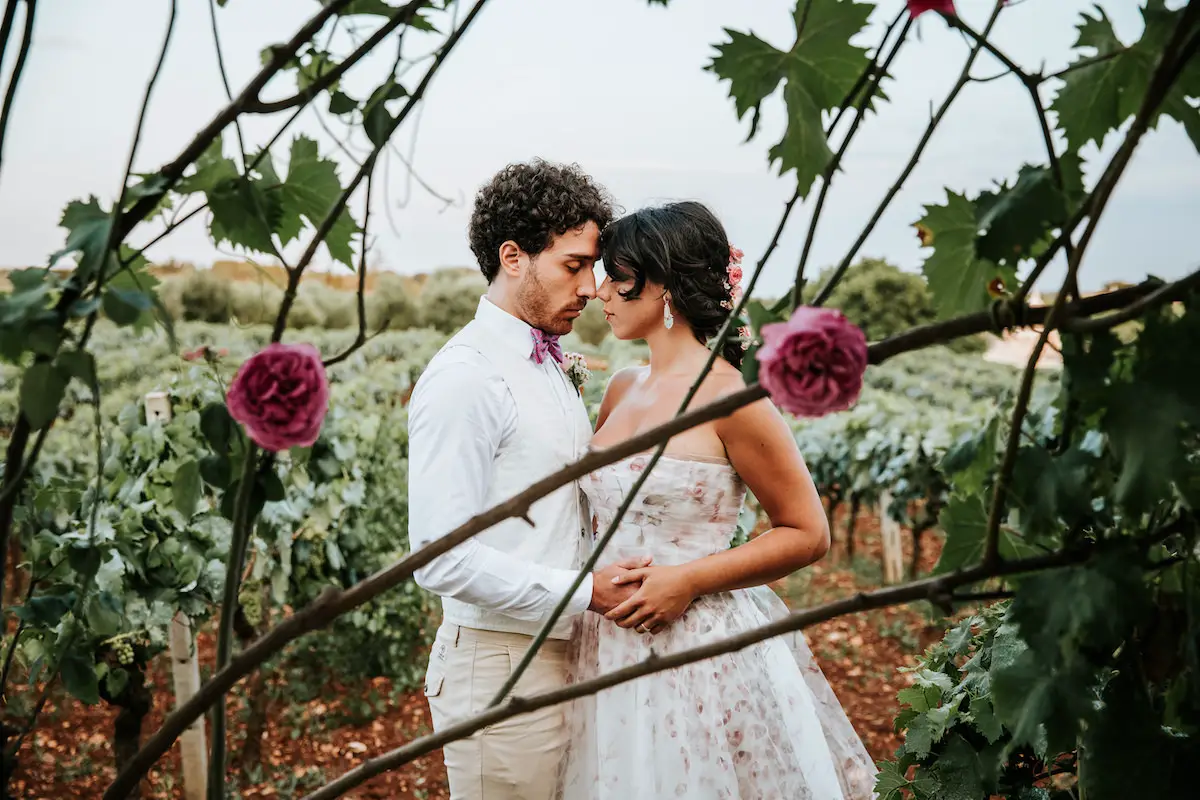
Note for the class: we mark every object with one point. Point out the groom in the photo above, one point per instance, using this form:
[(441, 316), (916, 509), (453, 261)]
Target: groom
[(492, 413)]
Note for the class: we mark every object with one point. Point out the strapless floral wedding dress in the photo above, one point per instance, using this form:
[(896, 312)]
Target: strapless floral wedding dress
[(758, 724)]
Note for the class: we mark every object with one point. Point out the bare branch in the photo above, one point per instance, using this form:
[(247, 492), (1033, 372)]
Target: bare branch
[(835, 162), (10, 94), (367, 167)]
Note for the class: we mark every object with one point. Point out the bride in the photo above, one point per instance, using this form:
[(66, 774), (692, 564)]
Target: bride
[(754, 724)]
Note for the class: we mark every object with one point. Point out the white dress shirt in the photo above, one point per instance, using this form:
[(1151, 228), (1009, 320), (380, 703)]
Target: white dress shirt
[(460, 415)]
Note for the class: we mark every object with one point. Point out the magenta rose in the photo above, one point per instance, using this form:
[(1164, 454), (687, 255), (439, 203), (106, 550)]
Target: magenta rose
[(918, 7), (813, 363), (280, 395)]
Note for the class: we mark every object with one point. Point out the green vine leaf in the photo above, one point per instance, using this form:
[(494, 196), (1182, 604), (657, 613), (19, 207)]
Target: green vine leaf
[(958, 278), (1098, 98), (957, 774), (88, 226), (964, 519), (79, 677), (42, 390), (1014, 220), (820, 69), (310, 192), (185, 489)]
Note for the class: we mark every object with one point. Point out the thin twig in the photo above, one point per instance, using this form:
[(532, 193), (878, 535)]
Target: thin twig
[(835, 162), (360, 297), (10, 94), (402, 16), (827, 289), (289, 294)]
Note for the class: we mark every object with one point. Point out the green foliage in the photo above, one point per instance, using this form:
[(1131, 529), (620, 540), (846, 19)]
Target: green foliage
[(591, 327), (204, 297), (878, 297), (1096, 98), (449, 298), (819, 70), (958, 277), (389, 304)]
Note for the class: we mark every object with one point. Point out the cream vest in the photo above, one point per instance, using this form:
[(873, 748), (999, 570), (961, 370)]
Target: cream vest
[(552, 431)]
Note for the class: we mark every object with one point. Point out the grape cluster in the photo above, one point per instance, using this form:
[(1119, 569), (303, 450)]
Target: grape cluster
[(124, 651), (252, 606)]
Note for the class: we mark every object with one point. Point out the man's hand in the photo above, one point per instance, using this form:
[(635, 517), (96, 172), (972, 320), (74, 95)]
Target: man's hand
[(608, 588)]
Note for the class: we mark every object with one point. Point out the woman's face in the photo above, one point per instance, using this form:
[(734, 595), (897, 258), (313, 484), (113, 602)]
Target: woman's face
[(636, 317)]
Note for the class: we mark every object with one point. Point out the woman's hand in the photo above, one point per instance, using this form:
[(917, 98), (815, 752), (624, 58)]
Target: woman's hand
[(666, 592)]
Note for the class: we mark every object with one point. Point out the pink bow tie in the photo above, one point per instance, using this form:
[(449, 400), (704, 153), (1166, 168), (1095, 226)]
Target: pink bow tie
[(546, 344)]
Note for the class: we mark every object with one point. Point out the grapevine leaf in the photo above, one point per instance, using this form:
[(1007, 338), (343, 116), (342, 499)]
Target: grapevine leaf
[(984, 717), (216, 471), (956, 774), (1047, 488), (970, 461), (1044, 707), (1097, 98), (1125, 750), (79, 364), (376, 8), (272, 488), (890, 782), (104, 614), (186, 487), (341, 103), (42, 390), (819, 69), (213, 169), (1094, 604), (1144, 430), (115, 681), (1014, 219), (958, 279), (244, 214), (750, 365), (217, 427), (88, 227), (45, 611), (79, 677), (310, 192)]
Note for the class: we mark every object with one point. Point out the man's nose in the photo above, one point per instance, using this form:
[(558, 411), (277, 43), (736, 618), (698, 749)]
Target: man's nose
[(587, 286)]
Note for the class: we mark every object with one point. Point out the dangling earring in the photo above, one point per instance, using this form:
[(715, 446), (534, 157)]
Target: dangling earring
[(668, 320)]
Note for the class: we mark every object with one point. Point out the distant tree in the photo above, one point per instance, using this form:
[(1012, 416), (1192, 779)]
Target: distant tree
[(449, 298)]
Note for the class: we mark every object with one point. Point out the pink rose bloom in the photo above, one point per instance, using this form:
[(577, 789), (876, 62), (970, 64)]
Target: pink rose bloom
[(813, 363), (735, 274), (280, 395), (919, 7)]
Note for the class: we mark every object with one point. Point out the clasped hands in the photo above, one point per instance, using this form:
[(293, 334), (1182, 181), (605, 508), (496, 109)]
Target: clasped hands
[(634, 594)]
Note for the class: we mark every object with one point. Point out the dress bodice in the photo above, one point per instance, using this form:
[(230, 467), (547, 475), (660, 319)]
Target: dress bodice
[(687, 508)]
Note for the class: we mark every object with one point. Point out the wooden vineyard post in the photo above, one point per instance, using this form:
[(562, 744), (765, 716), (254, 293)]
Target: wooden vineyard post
[(893, 557), (185, 666)]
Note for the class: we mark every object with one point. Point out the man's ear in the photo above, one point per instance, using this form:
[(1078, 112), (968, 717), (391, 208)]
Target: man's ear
[(511, 258)]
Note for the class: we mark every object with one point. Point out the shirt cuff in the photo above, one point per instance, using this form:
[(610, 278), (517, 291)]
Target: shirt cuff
[(561, 582)]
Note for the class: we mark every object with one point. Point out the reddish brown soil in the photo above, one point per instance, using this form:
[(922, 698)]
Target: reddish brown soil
[(70, 755)]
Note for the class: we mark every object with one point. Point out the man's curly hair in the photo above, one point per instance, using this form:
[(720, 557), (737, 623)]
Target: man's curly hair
[(531, 204)]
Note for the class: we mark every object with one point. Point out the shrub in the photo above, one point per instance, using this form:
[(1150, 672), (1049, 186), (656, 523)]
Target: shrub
[(591, 327), (449, 299), (390, 302), (256, 303), (206, 298)]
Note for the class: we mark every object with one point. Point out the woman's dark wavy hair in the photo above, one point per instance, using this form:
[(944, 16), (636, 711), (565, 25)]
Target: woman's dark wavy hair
[(681, 246), (530, 204)]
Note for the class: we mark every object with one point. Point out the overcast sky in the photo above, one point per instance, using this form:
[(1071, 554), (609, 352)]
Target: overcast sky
[(614, 85)]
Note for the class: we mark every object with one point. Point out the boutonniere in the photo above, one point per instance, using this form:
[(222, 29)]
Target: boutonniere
[(575, 367)]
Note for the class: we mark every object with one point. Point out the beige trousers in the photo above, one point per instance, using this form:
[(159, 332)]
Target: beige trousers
[(517, 759)]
